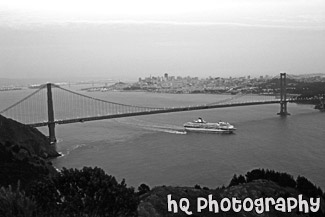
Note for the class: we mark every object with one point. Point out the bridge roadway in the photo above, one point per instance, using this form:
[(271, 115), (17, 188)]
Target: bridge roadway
[(158, 111)]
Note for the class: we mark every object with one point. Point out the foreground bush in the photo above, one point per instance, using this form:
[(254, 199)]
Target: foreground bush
[(302, 184), (86, 192), (14, 203)]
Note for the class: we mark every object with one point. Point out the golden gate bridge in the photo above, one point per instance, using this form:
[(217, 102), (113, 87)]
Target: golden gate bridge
[(51, 105)]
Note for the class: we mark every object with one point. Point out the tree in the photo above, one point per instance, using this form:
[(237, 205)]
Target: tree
[(14, 203), (143, 188), (241, 179), (308, 188), (88, 191), (233, 181)]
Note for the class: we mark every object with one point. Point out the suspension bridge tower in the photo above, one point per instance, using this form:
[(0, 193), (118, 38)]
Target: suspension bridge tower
[(321, 105), (283, 95), (50, 110)]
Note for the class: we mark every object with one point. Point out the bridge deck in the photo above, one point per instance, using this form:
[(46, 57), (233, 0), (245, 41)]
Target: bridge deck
[(150, 112)]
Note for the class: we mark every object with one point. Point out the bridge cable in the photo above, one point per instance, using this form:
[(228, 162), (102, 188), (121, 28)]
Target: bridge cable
[(105, 101), (22, 100)]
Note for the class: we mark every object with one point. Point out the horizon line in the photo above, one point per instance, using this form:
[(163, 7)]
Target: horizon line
[(17, 24)]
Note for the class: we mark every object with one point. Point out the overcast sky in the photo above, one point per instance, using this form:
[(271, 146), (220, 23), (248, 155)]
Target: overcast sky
[(133, 38)]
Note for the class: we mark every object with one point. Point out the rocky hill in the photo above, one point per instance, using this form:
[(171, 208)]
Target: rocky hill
[(15, 133), (23, 153)]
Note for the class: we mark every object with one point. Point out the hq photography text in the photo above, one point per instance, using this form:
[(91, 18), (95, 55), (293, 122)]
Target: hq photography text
[(259, 205)]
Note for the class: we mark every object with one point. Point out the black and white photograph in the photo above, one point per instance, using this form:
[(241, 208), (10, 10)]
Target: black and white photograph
[(162, 108)]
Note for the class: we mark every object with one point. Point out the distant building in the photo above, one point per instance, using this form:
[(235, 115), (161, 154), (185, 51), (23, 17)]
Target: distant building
[(166, 76)]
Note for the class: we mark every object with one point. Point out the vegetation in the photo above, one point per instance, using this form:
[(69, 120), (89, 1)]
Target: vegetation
[(91, 192), (14, 203), (86, 192), (282, 179), (301, 184), (16, 164), (237, 180), (307, 188), (143, 188)]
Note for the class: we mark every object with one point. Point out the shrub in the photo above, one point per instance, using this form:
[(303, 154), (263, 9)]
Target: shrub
[(197, 186), (86, 192), (282, 179), (14, 203), (143, 188), (308, 188), (237, 180)]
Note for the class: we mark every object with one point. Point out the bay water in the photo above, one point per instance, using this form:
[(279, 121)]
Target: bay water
[(155, 150)]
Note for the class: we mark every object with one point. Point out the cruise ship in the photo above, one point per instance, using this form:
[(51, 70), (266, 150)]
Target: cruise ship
[(200, 125)]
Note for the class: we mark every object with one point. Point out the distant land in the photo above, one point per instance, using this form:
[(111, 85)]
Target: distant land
[(5, 81), (25, 82), (311, 84)]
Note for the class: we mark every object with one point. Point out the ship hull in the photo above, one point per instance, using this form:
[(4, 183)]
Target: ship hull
[(202, 126), (205, 130)]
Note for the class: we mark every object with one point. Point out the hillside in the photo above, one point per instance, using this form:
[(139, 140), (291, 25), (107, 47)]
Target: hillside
[(14, 133), (23, 153)]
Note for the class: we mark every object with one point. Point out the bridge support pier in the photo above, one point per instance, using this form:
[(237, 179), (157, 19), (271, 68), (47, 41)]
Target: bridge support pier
[(50, 109), (52, 137), (322, 103), (283, 95)]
